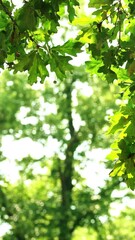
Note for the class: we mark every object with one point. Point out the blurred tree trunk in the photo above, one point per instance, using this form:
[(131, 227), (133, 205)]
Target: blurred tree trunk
[(66, 172)]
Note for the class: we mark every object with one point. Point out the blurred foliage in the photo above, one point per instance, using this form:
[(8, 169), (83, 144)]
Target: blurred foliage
[(73, 115), (122, 226)]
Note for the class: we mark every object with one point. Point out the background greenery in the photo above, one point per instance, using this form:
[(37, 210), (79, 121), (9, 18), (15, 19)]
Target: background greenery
[(71, 108), (57, 203)]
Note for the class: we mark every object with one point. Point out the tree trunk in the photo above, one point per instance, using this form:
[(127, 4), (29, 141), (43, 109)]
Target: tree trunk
[(66, 173)]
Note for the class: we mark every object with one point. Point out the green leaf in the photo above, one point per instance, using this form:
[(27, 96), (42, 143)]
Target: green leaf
[(111, 76), (42, 70), (70, 47), (118, 122), (25, 18), (113, 155), (103, 69), (93, 65), (99, 3), (24, 62), (10, 58), (60, 64), (116, 169), (2, 57), (3, 20), (131, 183), (71, 9), (33, 71), (122, 170)]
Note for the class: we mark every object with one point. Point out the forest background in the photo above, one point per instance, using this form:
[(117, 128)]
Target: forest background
[(63, 109)]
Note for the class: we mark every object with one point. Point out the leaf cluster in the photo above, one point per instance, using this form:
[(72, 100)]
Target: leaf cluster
[(26, 38), (109, 33)]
